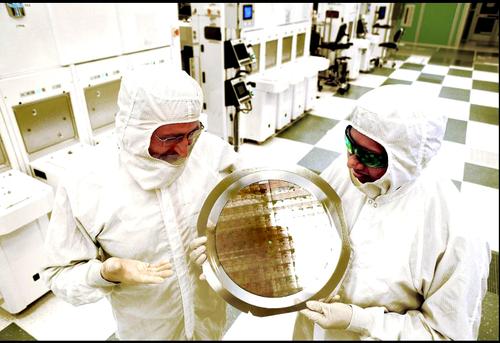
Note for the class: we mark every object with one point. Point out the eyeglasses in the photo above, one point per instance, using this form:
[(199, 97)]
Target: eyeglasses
[(191, 136), (368, 158)]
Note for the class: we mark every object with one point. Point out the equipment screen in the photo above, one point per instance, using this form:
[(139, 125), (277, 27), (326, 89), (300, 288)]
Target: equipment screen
[(381, 12), (247, 12), (241, 51), (241, 90)]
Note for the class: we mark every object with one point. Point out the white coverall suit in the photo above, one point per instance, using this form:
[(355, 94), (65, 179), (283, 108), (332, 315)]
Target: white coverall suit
[(418, 270), (144, 209)]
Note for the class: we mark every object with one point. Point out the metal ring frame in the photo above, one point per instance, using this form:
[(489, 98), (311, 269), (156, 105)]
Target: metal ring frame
[(243, 299)]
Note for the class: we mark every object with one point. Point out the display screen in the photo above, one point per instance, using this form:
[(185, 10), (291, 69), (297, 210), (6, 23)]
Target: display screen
[(241, 90), (247, 12), (381, 12), (241, 52)]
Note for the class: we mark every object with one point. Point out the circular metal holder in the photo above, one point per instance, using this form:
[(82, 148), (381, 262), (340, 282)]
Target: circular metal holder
[(276, 238)]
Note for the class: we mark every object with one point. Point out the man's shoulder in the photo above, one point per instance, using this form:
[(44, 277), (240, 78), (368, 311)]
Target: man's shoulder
[(212, 150), (435, 183), (89, 180)]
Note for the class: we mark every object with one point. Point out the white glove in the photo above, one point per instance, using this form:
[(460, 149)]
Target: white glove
[(334, 315), (198, 249), (134, 272), (197, 255)]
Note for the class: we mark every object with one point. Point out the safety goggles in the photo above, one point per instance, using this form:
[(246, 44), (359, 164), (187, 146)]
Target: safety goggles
[(368, 158), (191, 136)]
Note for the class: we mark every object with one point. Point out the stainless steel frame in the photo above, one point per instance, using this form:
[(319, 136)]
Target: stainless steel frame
[(244, 300)]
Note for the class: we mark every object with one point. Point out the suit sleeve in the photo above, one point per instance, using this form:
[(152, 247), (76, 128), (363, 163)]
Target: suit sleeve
[(72, 266)]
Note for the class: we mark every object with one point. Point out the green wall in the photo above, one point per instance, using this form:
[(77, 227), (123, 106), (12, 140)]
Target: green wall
[(437, 24)]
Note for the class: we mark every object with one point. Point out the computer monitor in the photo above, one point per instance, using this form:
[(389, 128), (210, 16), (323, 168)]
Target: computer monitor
[(381, 12), (247, 12)]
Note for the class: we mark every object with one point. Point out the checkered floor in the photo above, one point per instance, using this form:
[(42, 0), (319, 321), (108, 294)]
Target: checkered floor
[(467, 81)]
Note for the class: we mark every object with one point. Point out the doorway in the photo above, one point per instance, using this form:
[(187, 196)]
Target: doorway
[(482, 25)]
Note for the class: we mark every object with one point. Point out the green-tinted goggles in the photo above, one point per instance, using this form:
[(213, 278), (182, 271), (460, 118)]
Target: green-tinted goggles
[(368, 158)]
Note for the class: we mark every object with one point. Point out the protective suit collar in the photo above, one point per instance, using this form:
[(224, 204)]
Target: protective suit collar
[(151, 96), (408, 125), (371, 189)]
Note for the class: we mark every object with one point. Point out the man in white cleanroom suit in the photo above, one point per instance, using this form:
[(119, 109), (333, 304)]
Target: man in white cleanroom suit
[(417, 271), (141, 213)]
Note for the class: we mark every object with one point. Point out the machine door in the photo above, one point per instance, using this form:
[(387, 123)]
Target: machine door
[(102, 103), (484, 27), (47, 122)]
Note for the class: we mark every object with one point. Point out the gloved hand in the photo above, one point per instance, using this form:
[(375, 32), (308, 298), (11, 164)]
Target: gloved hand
[(334, 315), (132, 272), (197, 255)]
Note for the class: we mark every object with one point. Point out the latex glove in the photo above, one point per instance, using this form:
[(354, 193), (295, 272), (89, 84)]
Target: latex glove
[(198, 249), (197, 255), (334, 315), (132, 272)]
